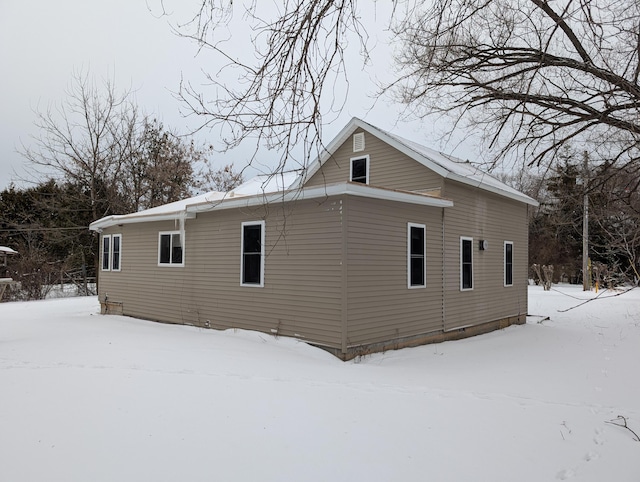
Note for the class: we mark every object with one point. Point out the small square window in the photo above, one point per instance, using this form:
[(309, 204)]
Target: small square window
[(359, 171), (170, 249)]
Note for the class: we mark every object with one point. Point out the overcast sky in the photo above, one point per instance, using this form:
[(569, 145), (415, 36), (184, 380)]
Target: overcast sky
[(44, 42)]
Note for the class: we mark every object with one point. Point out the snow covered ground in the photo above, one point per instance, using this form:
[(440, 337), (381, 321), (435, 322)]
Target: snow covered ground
[(85, 397)]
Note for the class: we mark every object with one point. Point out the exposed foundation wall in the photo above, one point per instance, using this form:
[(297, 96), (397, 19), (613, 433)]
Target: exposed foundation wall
[(428, 338)]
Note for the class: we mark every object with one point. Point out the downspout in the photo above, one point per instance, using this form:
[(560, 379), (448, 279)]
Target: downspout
[(444, 285), (181, 222)]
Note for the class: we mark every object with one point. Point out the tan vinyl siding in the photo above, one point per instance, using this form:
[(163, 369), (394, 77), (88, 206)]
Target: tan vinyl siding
[(301, 295), (483, 215), (388, 167), (380, 305)]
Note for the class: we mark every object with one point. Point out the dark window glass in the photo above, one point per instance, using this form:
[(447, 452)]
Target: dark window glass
[(508, 264), (417, 255), (467, 264), (359, 170), (115, 260), (251, 272), (106, 242), (252, 239), (252, 254), (165, 248), (176, 249)]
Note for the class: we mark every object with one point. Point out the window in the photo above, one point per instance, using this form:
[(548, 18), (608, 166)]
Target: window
[(170, 251), (252, 262), (106, 252), (359, 170), (508, 263), (116, 250), (466, 263), (416, 255), (111, 249)]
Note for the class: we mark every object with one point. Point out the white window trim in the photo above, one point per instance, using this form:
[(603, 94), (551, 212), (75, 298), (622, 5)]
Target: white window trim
[(119, 268), (108, 268), (262, 243), (424, 229), (504, 261), (182, 240), (367, 163), (466, 238)]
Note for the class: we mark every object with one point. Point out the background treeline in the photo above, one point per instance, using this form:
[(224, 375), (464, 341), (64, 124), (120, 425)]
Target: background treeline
[(555, 227), (96, 155)]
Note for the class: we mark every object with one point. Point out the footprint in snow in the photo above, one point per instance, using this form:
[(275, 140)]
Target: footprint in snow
[(565, 474), (591, 456)]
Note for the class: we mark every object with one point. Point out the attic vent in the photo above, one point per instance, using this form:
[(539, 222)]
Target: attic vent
[(358, 142)]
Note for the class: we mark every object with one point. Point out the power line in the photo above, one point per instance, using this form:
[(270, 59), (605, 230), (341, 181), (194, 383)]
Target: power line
[(30, 230)]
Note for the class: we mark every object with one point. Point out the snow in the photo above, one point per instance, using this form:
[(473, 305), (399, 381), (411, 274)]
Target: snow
[(257, 186), (264, 184), (103, 398)]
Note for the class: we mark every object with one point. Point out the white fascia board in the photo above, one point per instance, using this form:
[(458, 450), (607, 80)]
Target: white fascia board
[(134, 218), (487, 187)]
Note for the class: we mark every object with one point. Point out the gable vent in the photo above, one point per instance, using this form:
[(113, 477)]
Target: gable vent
[(358, 142)]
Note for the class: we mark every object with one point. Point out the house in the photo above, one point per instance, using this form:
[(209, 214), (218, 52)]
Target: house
[(381, 243)]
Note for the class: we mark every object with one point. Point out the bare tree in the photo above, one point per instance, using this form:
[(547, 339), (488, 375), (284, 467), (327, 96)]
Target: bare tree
[(615, 213), (86, 140), (531, 75), (282, 98)]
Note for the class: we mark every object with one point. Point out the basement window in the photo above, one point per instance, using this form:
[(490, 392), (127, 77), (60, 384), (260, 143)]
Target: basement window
[(170, 249)]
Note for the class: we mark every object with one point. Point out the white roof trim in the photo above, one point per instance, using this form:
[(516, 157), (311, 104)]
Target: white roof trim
[(230, 202), (486, 181), (115, 220)]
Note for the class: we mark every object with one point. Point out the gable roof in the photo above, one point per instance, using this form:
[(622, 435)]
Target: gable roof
[(448, 167)]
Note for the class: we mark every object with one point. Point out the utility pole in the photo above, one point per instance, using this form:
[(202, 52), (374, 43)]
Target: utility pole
[(586, 272)]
